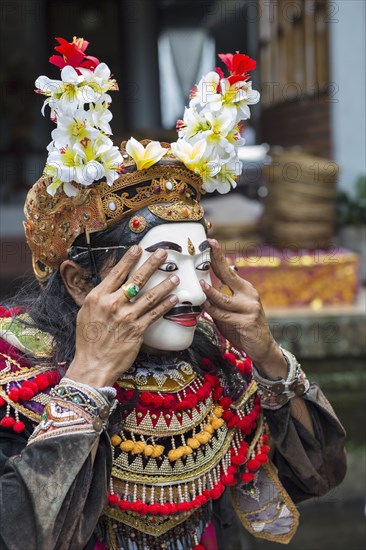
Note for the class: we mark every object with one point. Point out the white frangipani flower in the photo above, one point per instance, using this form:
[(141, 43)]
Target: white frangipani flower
[(112, 161), (206, 91), (145, 157), (192, 124), (73, 128), (100, 116), (190, 155)]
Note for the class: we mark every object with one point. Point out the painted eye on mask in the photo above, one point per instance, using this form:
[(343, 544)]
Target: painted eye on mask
[(168, 266), (204, 266)]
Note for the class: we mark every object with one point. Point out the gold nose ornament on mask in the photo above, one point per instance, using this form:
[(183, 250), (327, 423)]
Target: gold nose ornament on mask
[(191, 248)]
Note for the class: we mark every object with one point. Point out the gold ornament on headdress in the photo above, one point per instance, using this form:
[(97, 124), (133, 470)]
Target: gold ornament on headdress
[(169, 189)]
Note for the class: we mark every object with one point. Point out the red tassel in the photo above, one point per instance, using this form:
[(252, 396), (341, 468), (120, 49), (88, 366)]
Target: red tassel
[(230, 357), (238, 459), (25, 394), (2, 402), (247, 477), (253, 465), (157, 401), (42, 381), (229, 480), (146, 398), (201, 393), (113, 499), (7, 422), (168, 402), (262, 458), (265, 438), (185, 506), (19, 427), (225, 402), (14, 395), (217, 491), (199, 547), (217, 394), (124, 505), (53, 377), (31, 385)]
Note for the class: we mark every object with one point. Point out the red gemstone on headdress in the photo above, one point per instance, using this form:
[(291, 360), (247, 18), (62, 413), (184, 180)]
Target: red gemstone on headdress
[(170, 212), (182, 190), (157, 189), (136, 223)]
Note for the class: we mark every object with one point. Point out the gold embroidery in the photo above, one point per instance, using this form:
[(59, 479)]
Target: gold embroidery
[(140, 522), (183, 470), (284, 538)]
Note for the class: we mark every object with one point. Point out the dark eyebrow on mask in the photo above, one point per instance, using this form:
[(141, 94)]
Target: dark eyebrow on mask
[(167, 245), (204, 245)]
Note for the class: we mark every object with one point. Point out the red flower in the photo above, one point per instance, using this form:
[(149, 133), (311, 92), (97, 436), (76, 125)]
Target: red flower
[(238, 63), (72, 53)]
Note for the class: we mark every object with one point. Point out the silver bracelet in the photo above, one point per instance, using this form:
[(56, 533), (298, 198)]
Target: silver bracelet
[(276, 393), (98, 402)]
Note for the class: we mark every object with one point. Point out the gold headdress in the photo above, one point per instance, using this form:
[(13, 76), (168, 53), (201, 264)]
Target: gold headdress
[(89, 184)]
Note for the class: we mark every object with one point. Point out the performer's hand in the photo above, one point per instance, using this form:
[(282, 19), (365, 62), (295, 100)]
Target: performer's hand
[(240, 317), (110, 328)]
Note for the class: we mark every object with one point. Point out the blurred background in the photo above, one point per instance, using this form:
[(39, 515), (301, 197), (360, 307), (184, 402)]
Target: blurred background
[(295, 225)]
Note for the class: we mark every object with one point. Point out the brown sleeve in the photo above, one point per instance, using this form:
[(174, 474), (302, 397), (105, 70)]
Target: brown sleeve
[(308, 466)]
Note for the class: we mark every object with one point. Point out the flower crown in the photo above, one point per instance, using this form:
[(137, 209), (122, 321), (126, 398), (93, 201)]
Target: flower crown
[(89, 184), (82, 152)]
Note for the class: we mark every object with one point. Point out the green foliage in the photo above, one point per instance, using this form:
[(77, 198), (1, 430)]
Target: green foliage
[(352, 210)]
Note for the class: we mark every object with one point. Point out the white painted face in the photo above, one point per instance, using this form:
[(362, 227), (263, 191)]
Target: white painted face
[(189, 258)]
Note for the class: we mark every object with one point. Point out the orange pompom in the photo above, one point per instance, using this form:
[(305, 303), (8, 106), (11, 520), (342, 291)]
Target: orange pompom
[(217, 423), (127, 446), (138, 448), (218, 411), (175, 454), (158, 451), (193, 443), (148, 451), (116, 440), (203, 437)]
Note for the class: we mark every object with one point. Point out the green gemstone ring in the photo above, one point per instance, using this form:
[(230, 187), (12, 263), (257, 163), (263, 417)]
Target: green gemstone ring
[(130, 290)]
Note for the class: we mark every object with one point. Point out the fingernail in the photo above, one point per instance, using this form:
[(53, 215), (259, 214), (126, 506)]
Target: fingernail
[(160, 253), (174, 279), (135, 250), (206, 304), (173, 299), (213, 243), (204, 284)]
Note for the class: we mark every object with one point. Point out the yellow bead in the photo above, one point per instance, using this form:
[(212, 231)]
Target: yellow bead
[(218, 411), (175, 454), (209, 428), (158, 451), (203, 437), (127, 445), (148, 451), (138, 448), (115, 440), (187, 450), (217, 423), (193, 443)]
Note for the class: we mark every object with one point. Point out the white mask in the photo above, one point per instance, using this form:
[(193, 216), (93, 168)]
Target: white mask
[(190, 264)]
